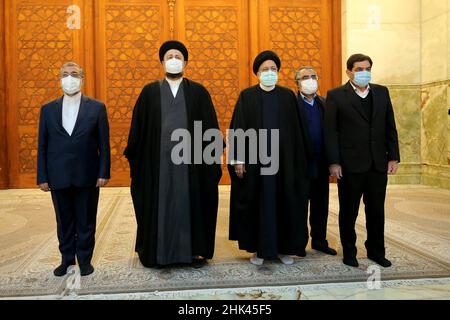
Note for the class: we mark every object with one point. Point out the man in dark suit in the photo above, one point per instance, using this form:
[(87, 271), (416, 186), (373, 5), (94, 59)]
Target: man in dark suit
[(311, 108), (362, 148), (73, 163)]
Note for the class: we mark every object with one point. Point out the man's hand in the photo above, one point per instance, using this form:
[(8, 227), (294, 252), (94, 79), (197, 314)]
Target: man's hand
[(102, 182), (336, 171), (44, 187), (392, 167), (240, 170)]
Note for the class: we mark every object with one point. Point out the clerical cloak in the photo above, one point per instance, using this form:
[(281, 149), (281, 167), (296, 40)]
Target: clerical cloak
[(147, 147), (268, 214)]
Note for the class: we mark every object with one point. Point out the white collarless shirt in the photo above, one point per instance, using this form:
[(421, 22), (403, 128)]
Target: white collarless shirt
[(174, 85), (362, 94), (70, 108)]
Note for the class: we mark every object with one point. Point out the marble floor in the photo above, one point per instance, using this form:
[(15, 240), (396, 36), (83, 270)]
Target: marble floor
[(416, 289), (417, 237)]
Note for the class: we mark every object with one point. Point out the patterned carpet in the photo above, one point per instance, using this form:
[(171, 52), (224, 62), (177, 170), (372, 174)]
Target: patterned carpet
[(417, 241)]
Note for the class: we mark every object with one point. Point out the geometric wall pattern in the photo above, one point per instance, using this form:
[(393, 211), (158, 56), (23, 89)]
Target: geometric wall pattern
[(118, 45), (212, 35), (132, 41), (295, 34), (42, 43)]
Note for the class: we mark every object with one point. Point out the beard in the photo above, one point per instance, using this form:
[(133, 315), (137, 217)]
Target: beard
[(174, 76), (73, 94)]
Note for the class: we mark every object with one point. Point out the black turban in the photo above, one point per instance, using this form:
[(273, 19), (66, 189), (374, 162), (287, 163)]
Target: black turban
[(173, 44), (264, 56)]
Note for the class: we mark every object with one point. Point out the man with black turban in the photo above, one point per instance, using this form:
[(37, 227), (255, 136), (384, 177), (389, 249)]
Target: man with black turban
[(175, 203), (268, 210)]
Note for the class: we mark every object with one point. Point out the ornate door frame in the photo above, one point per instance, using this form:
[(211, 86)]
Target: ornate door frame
[(117, 45)]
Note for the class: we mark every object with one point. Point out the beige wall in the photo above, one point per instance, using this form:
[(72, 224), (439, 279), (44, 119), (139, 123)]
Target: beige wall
[(435, 92), (409, 43), (388, 31)]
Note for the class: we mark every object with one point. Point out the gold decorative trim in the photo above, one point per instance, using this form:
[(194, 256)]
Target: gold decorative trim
[(171, 4), (419, 86)]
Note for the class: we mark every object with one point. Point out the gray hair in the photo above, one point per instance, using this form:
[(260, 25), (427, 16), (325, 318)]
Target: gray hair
[(71, 64), (297, 72)]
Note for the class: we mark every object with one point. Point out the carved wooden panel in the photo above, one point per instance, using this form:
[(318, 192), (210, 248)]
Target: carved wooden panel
[(216, 34), (38, 42), (119, 164), (27, 152), (42, 43), (300, 32), (4, 180), (296, 36), (117, 43), (128, 40)]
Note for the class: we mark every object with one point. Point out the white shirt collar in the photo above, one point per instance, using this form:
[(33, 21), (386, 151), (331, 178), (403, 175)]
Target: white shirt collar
[(70, 108), (176, 82), (362, 94), (174, 85), (72, 99), (268, 89)]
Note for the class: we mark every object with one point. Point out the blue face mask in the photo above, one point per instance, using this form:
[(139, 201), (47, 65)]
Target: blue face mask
[(268, 78), (362, 78)]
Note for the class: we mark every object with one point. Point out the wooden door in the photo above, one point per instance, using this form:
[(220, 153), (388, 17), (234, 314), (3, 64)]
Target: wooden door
[(128, 36), (38, 41), (4, 178), (117, 43), (216, 34), (302, 33)]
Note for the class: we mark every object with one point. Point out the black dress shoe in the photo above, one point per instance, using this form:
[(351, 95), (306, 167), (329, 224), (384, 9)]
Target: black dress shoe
[(301, 253), (61, 270), (352, 262), (198, 263), (382, 261), (86, 269), (325, 249)]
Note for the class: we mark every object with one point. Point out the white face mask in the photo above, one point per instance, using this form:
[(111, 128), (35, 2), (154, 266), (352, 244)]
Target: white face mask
[(71, 85), (174, 66), (309, 86)]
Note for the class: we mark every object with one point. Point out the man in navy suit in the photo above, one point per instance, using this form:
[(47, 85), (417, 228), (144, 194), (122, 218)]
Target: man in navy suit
[(73, 163), (311, 107)]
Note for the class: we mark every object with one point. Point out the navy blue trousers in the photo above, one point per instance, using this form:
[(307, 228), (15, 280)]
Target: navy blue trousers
[(76, 217)]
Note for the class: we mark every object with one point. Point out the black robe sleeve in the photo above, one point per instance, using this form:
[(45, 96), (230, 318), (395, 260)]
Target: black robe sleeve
[(238, 189), (142, 152), (136, 132), (210, 122), (204, 178), (237, 122)]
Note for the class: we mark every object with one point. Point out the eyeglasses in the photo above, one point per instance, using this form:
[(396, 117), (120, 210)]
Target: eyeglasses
[(73, 74), (314, 77)]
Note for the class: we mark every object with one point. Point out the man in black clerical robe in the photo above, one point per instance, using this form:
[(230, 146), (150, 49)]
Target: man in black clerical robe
[(268, 213), (175, 204)]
